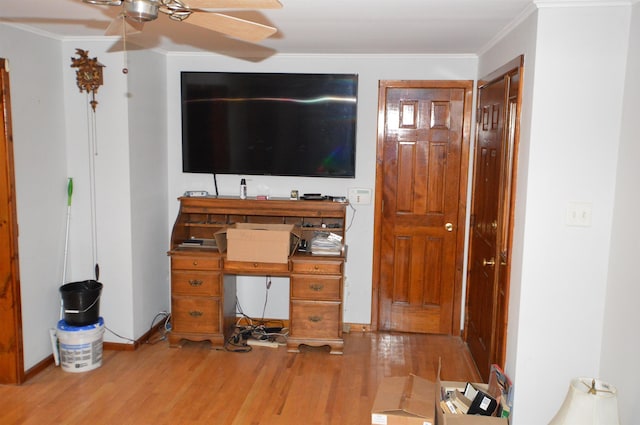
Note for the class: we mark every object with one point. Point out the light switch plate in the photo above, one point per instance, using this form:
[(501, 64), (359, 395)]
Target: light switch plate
[(579, 214), (359, 196)]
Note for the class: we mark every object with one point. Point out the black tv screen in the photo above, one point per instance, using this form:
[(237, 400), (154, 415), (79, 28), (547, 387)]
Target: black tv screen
[(269, 123)]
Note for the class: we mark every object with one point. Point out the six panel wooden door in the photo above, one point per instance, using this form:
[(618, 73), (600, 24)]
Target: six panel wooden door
[(484, 224), (421, 176)]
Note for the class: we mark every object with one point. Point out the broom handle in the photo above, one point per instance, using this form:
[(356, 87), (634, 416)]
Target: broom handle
[(69, 191), (66, 237)]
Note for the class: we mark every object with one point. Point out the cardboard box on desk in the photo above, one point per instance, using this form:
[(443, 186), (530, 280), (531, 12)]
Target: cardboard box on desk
[(404, 400), (258, 242)]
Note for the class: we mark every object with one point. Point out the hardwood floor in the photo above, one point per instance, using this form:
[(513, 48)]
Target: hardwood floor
[(197, 385)]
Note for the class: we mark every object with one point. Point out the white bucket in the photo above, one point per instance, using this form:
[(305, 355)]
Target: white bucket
[(80, 346)]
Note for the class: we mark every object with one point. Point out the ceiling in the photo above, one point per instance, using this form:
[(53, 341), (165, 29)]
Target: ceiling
[(304, 26)]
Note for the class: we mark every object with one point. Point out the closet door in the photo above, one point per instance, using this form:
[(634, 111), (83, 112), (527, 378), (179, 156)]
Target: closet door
[(491, 213)]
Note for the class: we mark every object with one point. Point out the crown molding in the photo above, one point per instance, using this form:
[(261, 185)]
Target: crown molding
[(539, 4), (531, 8), (582, 3)]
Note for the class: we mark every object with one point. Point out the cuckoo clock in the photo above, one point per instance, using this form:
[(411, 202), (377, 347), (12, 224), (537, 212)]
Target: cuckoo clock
[(88, 74)]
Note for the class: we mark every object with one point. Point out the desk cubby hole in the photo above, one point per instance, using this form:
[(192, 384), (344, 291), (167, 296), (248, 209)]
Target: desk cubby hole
[(233, 219), (266, 219), (328, 223)]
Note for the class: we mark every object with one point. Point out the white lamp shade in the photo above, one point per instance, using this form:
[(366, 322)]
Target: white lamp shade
[(583, 407)]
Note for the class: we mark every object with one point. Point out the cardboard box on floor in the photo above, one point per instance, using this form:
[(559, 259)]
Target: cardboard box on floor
[(458, 419), (412, 400), (404, 400), (258, 242)]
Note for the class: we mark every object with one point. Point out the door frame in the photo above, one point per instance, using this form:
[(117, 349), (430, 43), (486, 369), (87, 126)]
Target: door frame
[(383, 85), (12, 359)]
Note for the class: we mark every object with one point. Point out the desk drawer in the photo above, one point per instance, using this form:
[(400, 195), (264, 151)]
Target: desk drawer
[(313, 319), (321, 287), (192, 283), (196, 263), (250, 267), (317, 266), (195, 314)]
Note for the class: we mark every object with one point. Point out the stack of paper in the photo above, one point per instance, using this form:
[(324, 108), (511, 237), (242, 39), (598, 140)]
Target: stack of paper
[(199, 243), (326, 243)]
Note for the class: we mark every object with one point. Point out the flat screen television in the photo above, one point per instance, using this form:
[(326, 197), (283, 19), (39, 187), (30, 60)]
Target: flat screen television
[(277, 124)]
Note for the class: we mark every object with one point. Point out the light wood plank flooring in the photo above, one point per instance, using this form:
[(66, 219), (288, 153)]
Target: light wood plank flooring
[(197, 385)]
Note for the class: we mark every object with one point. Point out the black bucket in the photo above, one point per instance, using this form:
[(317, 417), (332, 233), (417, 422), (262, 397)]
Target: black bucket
[(81, 302)]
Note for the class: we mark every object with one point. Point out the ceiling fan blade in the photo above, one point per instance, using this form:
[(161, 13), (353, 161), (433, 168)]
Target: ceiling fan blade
[(104, 2), (230, 25), (233, 4), (120, 25)]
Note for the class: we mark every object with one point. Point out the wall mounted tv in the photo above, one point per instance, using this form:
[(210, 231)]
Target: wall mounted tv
[(269, 123)]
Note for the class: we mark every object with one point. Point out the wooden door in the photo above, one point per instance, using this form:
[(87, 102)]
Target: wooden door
[(11, 360), (423, 139), (491, 217)]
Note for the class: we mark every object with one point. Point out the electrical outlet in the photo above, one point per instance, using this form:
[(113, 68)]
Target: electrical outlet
[(360, 196)]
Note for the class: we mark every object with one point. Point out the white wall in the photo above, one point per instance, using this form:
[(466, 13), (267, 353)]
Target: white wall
[(53, 126), (569, 140), (371, 69), (620, 348), (147, 103), (110, 246), (130, 186), (41, 179)]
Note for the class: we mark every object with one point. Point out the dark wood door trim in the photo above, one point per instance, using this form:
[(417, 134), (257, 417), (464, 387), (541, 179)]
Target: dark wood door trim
[(11, 350), (462, 192)]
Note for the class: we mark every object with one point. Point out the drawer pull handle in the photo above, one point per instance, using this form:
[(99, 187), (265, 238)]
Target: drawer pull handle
[(316, 267), (195, 262), (255, 265), (316, 287), (195, 313), (315, 319), (195, 282)]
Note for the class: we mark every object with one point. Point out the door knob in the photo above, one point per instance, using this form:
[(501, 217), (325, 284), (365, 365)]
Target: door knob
[(448, 227), (490, 262)]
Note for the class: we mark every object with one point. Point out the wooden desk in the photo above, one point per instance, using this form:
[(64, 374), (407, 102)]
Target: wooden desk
[(203, 288)]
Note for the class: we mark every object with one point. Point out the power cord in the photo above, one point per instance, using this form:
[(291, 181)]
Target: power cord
[(236, 343), (247, 328), (353, 216), (266, 295), (163, 330), (120, 336)]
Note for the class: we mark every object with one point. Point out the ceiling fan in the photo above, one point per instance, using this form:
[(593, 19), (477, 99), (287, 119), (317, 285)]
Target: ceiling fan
[(196, 12)]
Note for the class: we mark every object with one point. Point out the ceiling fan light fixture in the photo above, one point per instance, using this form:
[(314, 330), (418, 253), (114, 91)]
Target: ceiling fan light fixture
[(104, 2), (141, 10)]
